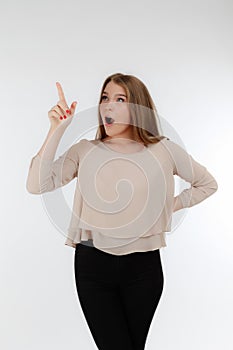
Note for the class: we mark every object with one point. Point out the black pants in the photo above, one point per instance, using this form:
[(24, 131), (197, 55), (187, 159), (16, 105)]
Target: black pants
[(118, 295)]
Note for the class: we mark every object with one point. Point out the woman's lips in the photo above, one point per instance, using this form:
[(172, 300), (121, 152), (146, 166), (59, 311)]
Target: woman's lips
[(108, 125), (109, 121)]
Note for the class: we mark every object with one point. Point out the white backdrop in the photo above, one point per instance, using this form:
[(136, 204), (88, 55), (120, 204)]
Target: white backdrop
[(183, 52)]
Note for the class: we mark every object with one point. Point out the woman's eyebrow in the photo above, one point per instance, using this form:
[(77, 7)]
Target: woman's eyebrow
[(115, 94)]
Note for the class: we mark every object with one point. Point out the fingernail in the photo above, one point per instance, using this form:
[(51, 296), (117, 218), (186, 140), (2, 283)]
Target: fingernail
[(68, 111), (64, 116), (61, 118)]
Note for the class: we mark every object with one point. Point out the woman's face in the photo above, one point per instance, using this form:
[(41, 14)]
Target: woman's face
[(114, 105)]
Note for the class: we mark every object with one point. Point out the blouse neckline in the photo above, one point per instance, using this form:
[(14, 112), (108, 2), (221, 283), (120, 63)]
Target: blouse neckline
[(103, 145)]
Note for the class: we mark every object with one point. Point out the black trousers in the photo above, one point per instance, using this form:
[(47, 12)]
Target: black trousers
[(118, 295)]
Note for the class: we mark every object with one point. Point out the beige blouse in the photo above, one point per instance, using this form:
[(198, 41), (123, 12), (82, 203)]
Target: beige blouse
[(123, 201)]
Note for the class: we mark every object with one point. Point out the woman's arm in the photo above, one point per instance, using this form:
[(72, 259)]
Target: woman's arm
[(49, 147), (44, 173), (203, 184), (177, 204)]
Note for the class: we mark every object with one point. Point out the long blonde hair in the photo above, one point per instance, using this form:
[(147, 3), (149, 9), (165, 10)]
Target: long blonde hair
[(144, 119)]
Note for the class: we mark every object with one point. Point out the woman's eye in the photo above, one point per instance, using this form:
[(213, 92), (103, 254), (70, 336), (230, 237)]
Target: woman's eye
[(120, 98)]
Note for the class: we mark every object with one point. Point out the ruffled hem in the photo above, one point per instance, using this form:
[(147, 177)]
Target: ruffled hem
[(140, 244)]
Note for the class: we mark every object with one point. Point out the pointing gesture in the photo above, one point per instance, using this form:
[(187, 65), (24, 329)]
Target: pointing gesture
[(61, 113)]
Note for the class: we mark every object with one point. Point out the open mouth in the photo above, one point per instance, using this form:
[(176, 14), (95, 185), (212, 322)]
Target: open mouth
[(109, 120)]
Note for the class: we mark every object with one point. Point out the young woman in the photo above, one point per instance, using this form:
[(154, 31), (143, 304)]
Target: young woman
[(123, 205)]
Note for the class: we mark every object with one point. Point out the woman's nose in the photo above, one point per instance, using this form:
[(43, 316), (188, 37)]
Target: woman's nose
[(109, 106)]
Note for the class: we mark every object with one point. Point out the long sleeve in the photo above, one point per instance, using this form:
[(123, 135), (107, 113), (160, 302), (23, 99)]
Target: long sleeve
[(203, 184), (47, 175)]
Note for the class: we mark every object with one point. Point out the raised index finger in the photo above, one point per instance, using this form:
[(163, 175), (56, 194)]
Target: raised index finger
[(60, 92)]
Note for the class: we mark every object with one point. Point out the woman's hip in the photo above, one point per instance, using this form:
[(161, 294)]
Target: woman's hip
[(95, 264)]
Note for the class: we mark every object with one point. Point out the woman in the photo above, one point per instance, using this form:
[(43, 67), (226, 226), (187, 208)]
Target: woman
[(118, 270)]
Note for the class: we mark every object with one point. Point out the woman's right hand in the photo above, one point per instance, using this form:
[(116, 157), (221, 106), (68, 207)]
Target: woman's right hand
[(61, 114)]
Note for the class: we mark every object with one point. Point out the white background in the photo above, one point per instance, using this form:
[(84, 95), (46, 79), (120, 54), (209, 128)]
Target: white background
[(183, 52)]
